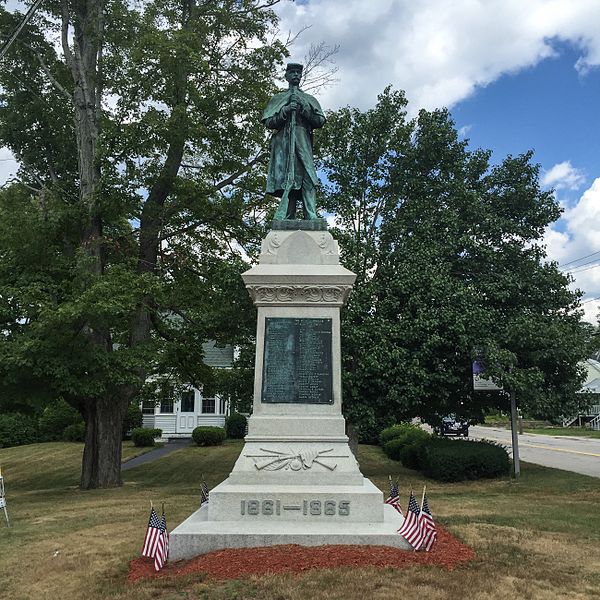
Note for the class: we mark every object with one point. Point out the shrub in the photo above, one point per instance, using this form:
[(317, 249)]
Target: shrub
[(456, 460), (133, 419), (55, 419), (411, 456), (17, 430), (74, 432), (144, 437), (405, 430), (404, 436), (235, 426), (392, 448), (208, 436)]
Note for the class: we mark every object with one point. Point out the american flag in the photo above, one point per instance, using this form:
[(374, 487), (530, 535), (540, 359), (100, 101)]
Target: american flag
[(203, 493), (427, 526), (152, 535), (161, 551), (410, 529), (394, 498)]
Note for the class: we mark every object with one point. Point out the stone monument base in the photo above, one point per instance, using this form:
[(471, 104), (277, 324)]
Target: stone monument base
[(296, 480), (197, 535)]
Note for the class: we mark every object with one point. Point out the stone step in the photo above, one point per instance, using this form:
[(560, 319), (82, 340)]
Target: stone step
[(296, 503), (197, 535)]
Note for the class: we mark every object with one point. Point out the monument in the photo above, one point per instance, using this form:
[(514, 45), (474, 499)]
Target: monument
[(296, 480)]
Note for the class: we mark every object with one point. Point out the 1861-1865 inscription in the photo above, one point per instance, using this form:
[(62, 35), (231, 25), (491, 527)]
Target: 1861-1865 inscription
[(297, 361)]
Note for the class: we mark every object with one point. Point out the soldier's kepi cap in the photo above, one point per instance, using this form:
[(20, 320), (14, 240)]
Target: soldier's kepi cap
[(294, 67)]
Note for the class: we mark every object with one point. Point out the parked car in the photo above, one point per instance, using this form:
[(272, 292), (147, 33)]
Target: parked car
[(453, 425)]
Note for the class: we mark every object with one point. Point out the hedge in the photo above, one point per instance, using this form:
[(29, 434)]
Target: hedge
[(17, 430), (133, 419), (55, 419), (144, 437), (457, 460), (405, 430), (74, 433), (208, 436), (406, 437), (235, 426)]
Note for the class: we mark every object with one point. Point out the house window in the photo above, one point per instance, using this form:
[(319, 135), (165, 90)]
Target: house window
[(187, 401), (208, 405), (166, 402), (148, 407), (223, 406)]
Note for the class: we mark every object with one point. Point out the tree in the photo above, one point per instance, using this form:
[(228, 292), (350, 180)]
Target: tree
[(451, 267), (139, 145)]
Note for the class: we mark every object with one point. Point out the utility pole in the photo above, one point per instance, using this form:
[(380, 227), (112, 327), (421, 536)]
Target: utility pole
[(515, 433)]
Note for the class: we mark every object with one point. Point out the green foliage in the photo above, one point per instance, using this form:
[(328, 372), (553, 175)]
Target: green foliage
[(399, 430), (407, 435), (17, 429), (74, 432), (144, 437), (456, 460), (235, 426), (208, 436), (133, 418), (392, 448), (118, 256), (451, 266), (55, 419), (411, 456)]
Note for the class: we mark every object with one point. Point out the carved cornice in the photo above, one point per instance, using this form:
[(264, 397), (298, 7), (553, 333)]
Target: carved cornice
[(299, 294)]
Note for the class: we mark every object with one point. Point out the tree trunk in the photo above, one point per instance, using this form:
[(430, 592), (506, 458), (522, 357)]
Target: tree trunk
[(352, 434), (101, 465)]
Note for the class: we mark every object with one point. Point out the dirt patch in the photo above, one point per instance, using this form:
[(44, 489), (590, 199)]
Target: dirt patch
[(236, 563)]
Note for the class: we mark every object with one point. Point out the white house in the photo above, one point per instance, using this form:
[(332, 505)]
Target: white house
[(591, 385), (178, 414)]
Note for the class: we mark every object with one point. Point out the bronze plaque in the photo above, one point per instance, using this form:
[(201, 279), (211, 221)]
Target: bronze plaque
[(297, 361)]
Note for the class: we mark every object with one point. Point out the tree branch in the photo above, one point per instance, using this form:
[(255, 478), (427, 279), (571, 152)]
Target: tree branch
[(51, 77)]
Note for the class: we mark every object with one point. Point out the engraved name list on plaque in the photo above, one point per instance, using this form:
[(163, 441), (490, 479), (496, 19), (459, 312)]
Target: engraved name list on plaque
[(297, 365)]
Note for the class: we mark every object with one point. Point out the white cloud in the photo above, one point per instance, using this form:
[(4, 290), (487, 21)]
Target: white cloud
[(8, 165), (439, 52), (577, 247), (563, 176), (462, 132)]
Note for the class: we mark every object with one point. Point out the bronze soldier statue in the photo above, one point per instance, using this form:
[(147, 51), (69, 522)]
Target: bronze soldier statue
[(293, 115)]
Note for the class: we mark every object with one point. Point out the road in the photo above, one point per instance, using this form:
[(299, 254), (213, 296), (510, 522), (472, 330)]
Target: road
[(577, 454)]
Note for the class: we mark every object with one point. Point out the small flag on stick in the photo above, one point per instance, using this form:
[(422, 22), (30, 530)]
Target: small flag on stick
[(394, 498), (426, 524), (152, 534), (203, 493), (410, 529), (161, 552)]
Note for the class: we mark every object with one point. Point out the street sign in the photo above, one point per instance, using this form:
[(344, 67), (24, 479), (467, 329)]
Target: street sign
[(482, 384)]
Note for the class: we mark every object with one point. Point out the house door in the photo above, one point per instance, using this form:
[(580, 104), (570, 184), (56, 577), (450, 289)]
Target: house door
[(186, 419)]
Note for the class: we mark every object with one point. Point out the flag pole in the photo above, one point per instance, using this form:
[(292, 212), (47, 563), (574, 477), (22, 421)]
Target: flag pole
[(423, 496)]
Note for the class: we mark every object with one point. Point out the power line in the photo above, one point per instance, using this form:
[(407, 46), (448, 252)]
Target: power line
[(591, 262), (595, 266), (578, 259), (8, 43), (590, 300)]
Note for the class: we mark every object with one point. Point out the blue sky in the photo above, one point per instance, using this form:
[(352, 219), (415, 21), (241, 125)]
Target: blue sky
[(516, 75)]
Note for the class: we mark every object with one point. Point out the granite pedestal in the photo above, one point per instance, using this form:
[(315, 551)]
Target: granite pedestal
[(296, 480)]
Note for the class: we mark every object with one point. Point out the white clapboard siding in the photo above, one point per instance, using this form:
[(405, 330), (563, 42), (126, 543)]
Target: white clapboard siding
[(166, 423), (211, 420)]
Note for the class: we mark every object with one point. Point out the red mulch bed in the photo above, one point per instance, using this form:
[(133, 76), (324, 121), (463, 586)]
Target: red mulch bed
[(236, 563)]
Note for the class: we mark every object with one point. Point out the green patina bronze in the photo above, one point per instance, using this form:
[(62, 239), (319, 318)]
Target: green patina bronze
[(292, 177)]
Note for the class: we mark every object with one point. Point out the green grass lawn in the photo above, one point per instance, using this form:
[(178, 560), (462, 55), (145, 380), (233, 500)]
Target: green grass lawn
[(536, 539)]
